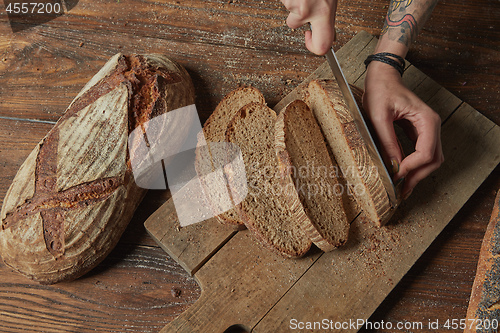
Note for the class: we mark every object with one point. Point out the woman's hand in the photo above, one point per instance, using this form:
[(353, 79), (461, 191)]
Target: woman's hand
[(387, 100), (321, 15)]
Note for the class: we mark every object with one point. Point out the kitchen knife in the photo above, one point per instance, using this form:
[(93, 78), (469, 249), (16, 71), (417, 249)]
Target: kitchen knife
[(362, 127)]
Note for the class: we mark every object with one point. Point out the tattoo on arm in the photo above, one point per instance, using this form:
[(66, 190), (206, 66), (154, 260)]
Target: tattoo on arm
[(405, 17)]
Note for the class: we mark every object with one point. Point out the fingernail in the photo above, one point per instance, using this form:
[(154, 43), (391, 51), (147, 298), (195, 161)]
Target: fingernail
[(407, 194), (395, 166), (398, 186)]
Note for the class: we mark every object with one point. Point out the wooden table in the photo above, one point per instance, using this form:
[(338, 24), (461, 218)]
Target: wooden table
[(222, 44)]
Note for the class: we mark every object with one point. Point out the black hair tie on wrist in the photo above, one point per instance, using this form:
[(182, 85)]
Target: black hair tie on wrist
[(398, 64)]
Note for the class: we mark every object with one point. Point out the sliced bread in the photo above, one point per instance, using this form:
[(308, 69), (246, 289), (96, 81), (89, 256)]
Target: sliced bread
[(266, 210), (325, 100), (304, 160), (211, 152)]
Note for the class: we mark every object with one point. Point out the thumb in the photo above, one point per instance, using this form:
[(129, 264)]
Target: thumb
[(391, 152)]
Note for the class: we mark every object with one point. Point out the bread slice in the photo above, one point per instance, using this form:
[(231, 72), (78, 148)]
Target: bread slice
[(325, 100), (211, 157), (266, 209), (303, 159)]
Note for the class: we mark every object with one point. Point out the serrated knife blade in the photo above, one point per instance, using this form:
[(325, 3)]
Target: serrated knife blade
[(362, 127)]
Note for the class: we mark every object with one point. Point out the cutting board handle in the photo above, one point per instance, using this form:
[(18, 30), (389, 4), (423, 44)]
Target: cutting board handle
[(238, 328)]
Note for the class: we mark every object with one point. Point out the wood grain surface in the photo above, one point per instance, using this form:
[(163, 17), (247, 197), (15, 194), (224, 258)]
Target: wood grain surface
[(223, 44)]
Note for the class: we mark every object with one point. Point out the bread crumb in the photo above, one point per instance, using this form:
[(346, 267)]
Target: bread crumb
[(175, 292)]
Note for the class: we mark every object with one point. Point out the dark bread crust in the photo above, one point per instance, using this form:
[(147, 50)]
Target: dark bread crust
[(484, 302), (55, 210)]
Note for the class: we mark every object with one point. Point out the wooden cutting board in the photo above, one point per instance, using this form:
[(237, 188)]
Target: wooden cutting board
[(246, 285)]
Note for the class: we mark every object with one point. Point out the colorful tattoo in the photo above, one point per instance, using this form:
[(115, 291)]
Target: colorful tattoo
[(407, 24), (403, 23), (397, 3)]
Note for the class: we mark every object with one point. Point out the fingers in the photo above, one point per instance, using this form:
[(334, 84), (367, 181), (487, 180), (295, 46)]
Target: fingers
[(415, 176), (295, 20), (383, 125), (300, 13), (428, 127), (428, 155), (319, 40), (321, 16)]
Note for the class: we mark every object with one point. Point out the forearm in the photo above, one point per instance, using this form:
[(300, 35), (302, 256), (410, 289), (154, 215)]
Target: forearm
[(402, 24)]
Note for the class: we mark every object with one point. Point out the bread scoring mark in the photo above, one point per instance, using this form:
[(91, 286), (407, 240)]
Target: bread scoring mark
[(142, 80), (52, 204)]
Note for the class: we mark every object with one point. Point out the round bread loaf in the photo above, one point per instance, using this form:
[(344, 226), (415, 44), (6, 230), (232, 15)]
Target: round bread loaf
[(75, 194)]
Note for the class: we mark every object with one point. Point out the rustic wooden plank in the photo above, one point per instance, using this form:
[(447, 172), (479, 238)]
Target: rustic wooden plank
[(191, 246), (36, 90), (438, 286), (379, 258), (445, 302), (135, 289), (239, 284), (462, 71), (52, 64), (132, 32), (130, 25), (18, 139)]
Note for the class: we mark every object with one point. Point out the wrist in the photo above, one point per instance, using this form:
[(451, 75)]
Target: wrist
[(378, 71), (392, 46), (393, 60)]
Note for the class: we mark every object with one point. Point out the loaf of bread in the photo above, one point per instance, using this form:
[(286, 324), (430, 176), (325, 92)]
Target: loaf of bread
[(483, 313), (304, 160), (75, 194), (211, 152), (325, 100), (266, 210)]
